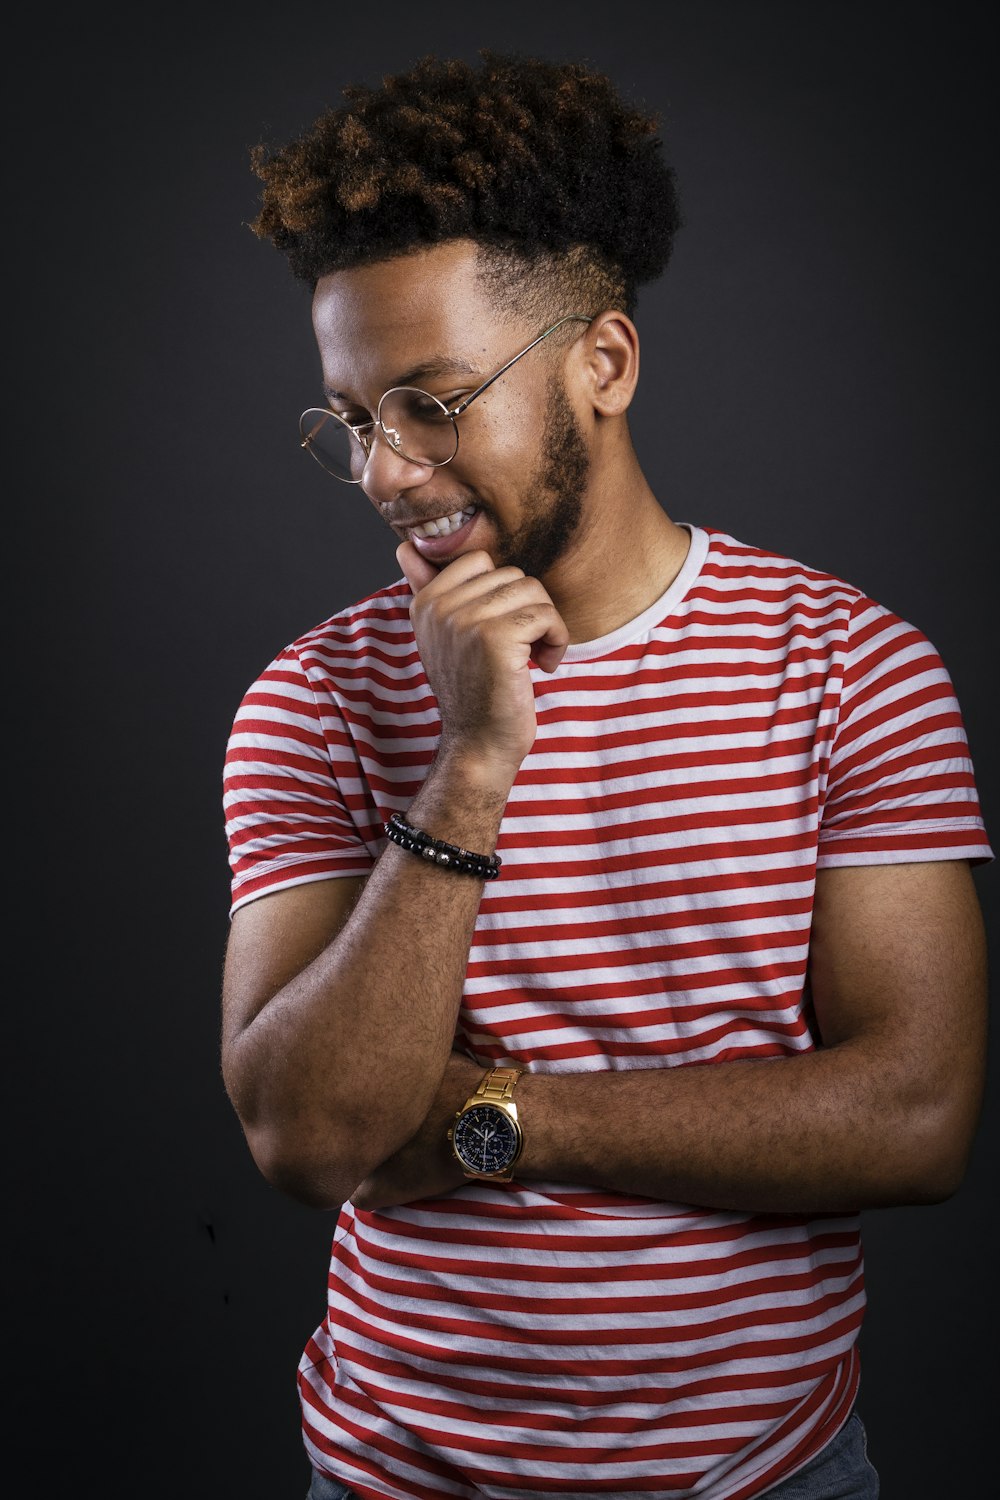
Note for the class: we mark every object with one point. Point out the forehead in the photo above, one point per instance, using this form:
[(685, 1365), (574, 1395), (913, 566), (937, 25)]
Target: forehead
[(373, 322)]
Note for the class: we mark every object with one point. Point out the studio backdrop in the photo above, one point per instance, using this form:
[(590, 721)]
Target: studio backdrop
[(817, 378)]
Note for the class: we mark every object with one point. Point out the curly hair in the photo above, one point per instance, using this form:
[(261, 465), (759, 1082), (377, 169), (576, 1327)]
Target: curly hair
[(542, 165)]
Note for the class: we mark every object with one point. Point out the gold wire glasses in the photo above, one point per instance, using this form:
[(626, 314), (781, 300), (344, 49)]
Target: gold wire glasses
[(415, 424)]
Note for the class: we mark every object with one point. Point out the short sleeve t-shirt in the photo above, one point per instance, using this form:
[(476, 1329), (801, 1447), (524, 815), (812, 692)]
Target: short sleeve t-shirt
[(692, 772)]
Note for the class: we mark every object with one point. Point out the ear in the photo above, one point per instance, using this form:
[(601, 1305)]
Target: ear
[(610, 352)]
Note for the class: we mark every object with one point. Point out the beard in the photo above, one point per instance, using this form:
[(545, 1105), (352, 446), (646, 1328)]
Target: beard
[(555, 507)]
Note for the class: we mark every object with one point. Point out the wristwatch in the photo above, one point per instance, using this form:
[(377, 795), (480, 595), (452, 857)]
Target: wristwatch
[(486, 1136)]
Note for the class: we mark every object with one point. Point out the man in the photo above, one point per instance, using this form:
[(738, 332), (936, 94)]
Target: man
[(603, 935)]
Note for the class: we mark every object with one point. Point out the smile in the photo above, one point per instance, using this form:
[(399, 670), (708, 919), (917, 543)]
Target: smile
[(444, 525)]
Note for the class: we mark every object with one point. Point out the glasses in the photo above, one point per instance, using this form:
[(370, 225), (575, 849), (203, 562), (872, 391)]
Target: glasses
[(415, 424)]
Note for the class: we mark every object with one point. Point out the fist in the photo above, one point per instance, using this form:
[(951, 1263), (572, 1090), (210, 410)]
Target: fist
[(478, 630)]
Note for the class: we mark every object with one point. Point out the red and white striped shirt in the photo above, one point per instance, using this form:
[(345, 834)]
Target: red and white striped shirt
[(691, 772)]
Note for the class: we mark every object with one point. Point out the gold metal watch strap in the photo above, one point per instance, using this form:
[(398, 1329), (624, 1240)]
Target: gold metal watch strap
[(498, 1085)]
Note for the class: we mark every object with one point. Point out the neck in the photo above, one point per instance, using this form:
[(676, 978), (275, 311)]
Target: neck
[(627, 553)]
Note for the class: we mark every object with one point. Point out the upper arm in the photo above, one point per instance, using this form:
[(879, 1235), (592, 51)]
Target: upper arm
[(290, 794), (898, 968), (298, 860), (275, 937), (900, 783)]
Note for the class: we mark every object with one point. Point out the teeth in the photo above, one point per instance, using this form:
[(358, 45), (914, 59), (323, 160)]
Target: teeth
[(445, 525)]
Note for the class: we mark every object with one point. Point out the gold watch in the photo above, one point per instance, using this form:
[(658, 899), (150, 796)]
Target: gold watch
[(486, 1136)]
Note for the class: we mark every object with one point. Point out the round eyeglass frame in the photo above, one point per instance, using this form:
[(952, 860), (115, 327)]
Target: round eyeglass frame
[(365, 432), (315, 417)]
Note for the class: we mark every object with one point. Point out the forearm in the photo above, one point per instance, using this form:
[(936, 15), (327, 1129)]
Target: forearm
[(341, 1066), (837, 1129)]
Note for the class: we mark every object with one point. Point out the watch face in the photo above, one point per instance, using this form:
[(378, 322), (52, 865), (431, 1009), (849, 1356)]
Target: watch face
[(486, 1139)]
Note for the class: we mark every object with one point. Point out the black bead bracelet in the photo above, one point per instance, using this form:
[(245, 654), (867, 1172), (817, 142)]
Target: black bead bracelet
[(438, 852)]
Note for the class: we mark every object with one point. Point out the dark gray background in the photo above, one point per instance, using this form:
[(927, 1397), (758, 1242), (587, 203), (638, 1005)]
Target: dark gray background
[(818, 378)]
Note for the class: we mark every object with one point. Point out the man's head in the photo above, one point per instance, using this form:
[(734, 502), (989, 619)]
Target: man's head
[(449, 216)]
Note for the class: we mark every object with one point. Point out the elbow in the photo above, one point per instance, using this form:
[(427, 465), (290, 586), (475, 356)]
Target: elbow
[(935, 1156), (943, 1175), (318, 1156), (318, 1177), (320, 1162), (305, 1157)]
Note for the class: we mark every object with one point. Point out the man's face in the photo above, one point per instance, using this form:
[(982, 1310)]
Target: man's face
[(522, 463)]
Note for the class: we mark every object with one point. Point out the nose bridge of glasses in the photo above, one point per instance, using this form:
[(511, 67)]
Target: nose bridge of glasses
[(386, 460), (391, 434)]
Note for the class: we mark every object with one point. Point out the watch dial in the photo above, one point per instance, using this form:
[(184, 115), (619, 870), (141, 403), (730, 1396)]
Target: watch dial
[(485, 1139)]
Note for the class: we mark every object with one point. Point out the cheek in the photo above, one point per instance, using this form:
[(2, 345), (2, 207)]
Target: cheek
[(507, 434)]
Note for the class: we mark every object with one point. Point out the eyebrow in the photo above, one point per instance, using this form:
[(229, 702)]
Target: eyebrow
[(427, 369)]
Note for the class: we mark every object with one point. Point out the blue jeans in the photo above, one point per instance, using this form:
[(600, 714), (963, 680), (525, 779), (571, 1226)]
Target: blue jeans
[(840, 1471)]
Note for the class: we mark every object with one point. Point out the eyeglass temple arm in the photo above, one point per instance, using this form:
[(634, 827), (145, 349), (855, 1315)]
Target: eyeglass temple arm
[(456, 411)]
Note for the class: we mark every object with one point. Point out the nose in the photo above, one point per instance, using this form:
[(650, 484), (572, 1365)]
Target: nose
[(388, 472)]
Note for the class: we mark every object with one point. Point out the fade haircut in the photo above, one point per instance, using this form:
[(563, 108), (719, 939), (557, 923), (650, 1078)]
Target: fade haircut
[(559, 182)]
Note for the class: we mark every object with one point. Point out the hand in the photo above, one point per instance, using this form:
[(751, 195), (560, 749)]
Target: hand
[(426, 1167), (478, 628)]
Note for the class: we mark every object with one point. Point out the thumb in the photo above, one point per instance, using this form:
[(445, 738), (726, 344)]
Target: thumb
[(417, 570)]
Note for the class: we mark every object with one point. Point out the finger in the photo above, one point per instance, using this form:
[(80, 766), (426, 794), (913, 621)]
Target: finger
[(547, 657), (421, 573), (548, 651), (417, 570), (492, 584), (507, 594)]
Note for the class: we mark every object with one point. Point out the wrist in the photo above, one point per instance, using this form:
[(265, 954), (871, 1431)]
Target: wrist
[(477, 770), (486, 1134), (441, 851)]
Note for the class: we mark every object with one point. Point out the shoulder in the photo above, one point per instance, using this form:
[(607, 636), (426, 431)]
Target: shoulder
[(381, 619), (769, 572), (370, 639), (780, 596), (357, 640), (775, 598), (748, 571)]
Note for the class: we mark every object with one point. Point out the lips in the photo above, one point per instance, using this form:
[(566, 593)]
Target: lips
[(437, 548)]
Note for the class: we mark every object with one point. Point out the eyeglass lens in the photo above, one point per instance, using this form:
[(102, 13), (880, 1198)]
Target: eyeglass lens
[(415, 424)]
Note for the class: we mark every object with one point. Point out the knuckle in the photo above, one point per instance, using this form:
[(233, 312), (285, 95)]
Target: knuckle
[(520, 586), (461, 616), (507, 589), (478, 561), (531, 611)]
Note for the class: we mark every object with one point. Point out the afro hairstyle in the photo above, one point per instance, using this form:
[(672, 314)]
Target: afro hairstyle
[(561, 184)]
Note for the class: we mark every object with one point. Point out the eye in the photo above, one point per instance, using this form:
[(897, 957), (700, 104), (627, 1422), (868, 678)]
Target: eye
[(427, 408), (353, 417)]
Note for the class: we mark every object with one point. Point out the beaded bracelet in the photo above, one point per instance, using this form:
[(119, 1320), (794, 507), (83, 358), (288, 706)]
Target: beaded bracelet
[(436, 851)]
